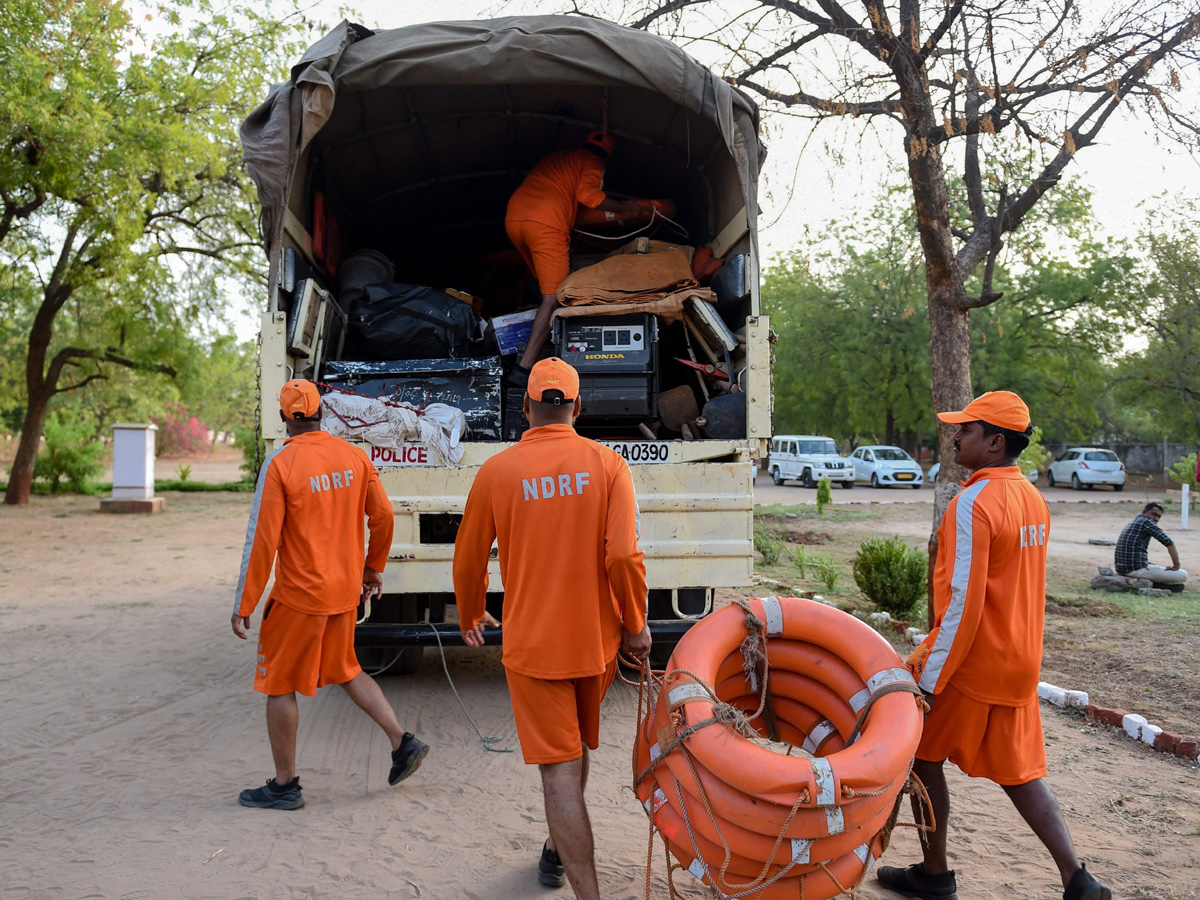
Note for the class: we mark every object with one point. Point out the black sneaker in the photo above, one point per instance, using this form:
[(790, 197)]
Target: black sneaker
[(550, 868), (1085, 886), (915, 882), (406, 758), (1173, 587), (274, 796)]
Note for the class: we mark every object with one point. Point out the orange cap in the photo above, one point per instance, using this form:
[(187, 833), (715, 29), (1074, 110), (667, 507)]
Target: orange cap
[(603, 140), (299, 398), (1004, 409), (552, 375)]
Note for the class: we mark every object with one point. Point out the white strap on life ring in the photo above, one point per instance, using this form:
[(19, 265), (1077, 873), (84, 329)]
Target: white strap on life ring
[(774, 610), (820, 731), (889, 676), (825, 782), (685, 693)]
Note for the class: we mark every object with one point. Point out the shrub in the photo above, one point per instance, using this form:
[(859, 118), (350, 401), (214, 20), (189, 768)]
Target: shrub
[(72, 453), (250, 440), (179, 432), (824, 494), (184, 471), (1034, 457), (1184, 471), (769, 544), (825, 567), (891, 574), (800, 559)]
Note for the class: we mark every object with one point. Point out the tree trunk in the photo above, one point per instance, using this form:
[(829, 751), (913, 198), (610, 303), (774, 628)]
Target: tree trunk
[(20, 477), (889, 428)]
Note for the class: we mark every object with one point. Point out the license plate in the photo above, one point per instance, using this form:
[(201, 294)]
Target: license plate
[(642, 451), (404, 455), (905, 476)]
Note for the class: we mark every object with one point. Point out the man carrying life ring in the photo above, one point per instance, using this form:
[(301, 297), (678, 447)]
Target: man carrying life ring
[(540, 216), (979, 666), (562, 511)]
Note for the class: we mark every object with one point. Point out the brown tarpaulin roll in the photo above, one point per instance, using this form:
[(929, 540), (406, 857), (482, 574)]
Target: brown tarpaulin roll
[(669, 308), (628, 276)]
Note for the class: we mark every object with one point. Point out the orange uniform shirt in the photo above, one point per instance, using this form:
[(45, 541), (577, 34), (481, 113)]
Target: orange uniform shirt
[(989, 592), (563, 511), (552, 191), (308, 509)]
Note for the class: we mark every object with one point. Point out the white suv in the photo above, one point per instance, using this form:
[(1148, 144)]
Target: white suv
[(808, 458)]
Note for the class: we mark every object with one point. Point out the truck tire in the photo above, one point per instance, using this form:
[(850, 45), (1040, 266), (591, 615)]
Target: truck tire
[(775, 477), (807, 480), (846, 485)]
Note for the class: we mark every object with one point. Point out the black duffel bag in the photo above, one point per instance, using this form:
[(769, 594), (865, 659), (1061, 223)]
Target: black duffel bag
[(409, 321)]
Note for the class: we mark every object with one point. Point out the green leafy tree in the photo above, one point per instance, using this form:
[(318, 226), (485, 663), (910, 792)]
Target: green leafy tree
[(1163, 379), (120, 167)]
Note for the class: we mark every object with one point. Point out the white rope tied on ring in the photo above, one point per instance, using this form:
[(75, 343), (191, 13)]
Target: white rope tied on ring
[(438, 426)]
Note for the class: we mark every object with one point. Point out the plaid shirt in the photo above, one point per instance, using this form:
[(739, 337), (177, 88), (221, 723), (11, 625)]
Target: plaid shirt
[(1132, 544)]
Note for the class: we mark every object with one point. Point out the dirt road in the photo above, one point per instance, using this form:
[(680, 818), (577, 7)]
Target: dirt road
[(129, 726)]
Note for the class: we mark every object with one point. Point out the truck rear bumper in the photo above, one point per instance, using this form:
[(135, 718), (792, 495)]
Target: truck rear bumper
[(422, 634)]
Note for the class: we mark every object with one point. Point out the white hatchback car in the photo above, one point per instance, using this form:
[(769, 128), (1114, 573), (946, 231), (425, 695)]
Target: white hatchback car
[(1087, 467), (884, 466)]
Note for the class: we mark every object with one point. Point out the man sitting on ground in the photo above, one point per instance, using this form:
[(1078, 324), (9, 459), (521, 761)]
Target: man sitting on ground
[(1132, 561)]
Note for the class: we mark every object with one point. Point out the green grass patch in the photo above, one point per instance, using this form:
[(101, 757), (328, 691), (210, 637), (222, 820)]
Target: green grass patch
[(102, 488), (832, 513)]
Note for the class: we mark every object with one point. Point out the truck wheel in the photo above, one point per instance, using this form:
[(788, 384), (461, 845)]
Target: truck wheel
[(807, 480), (775, 477), (390, 660), (846, 485)]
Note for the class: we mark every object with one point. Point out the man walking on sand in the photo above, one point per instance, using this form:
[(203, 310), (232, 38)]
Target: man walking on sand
[(562, 510), (307, 518), (979, 666)]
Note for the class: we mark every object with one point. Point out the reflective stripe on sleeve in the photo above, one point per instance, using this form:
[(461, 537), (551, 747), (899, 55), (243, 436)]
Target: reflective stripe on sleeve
[(251, 528), (964, 535)]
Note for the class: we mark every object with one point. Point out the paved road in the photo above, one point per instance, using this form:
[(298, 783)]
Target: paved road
[(765, 492)]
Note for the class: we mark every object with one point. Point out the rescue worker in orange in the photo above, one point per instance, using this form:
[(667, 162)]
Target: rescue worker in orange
[(563, 512), (539, 220), (979, 667), (307, 519)]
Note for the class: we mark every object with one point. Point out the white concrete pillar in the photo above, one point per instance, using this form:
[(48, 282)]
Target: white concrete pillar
[(133, 470)]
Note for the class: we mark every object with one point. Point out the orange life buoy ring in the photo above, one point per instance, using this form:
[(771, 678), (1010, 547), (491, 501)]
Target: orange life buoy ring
[(746, 818)]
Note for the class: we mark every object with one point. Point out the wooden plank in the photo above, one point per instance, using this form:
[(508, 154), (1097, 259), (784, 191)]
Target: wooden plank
[(295, 229), (730, 234)]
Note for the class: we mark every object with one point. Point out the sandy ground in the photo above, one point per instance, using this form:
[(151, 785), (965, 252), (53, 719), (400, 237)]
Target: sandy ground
[(129, 725)]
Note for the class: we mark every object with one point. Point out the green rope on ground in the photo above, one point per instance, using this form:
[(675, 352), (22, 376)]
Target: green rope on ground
[(487, 741)]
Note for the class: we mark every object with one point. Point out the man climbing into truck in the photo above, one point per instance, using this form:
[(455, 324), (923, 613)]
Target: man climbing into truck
[(539, 220)]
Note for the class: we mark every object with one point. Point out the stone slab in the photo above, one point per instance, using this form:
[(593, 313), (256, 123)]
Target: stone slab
[(149, 505)]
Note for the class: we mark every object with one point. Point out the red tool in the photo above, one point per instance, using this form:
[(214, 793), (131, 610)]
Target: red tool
[(706, 368)]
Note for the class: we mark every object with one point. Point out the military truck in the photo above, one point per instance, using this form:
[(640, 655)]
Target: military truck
[(406, 144)]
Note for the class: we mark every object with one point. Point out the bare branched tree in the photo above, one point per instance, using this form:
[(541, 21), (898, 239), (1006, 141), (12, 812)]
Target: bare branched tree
[(934, 72)]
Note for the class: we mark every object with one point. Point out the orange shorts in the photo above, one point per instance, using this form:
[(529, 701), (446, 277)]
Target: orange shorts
[(299, 652), (555, 718), (1001, 743), (546, 251)]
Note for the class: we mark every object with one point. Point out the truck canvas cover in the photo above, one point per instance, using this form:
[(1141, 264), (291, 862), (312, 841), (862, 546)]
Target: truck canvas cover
[(355, 90)]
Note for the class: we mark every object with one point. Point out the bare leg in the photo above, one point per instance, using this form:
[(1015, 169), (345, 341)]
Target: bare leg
[(567, 816), (1037, 805), (366, 694), (540, 332), (933, 843), (583, 777), (283, 716)]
